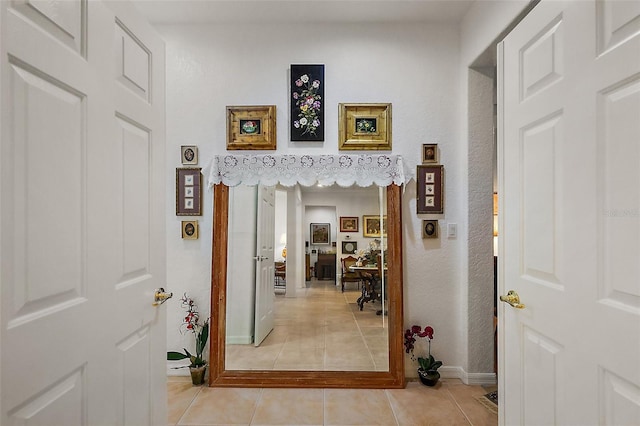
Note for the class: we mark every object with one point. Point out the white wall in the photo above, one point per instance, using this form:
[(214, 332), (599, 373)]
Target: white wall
[(416, 67), (482, 24)]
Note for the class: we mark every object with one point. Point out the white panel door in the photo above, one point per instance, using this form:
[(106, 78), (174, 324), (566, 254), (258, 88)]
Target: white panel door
[(81, 216), (569, 171), (265, 291)]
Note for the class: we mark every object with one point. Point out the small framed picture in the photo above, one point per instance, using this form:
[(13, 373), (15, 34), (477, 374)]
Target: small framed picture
[(349, 247), (251, 127), (190, 229), (188, 191), (430, 188), (364, 127), (429, 153), (429, 229), (371, 226), (189, 155), (320, 233), (348, 224)]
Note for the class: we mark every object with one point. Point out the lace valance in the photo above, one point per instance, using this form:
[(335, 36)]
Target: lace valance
[(307, 170)]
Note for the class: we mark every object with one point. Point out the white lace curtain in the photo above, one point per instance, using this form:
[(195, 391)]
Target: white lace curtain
[(307, 170)]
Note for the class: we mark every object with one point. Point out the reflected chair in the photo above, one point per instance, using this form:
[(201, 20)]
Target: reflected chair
[(347, 275), (280, 275)]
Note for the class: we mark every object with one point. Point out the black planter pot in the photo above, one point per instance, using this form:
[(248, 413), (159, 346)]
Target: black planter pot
[(428, 378)]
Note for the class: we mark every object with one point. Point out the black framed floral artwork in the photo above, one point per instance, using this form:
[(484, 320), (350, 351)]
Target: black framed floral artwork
[(307, 103)]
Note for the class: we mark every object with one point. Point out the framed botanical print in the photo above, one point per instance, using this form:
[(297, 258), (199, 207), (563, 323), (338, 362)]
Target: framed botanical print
[(348, 224), (307, 103), (364, 127), (320, 233), (430, 189), (188, 191), (251, 127)]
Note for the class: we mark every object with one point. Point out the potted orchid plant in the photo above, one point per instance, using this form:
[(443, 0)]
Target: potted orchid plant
[(200, 330), (428, 366)]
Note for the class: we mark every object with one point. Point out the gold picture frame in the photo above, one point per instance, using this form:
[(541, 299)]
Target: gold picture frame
[(190, 229), (430, 189), (251, 127), (364, 127), (188, 191), (371, 226), (429, 153), (429, 229)]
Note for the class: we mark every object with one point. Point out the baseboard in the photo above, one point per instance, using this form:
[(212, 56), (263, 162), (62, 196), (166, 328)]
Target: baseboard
[(178, 371), (239, 340), (481, 379)]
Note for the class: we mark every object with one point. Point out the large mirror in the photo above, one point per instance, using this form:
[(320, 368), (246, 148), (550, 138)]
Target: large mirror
[(286, 310)]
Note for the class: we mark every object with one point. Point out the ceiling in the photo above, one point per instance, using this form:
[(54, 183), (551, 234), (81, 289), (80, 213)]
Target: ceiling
[(302, 11)]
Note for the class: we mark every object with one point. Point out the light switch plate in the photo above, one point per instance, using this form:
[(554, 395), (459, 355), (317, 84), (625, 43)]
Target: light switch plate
[(452, 230)]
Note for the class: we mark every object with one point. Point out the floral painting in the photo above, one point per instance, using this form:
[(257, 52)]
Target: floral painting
[(307, 103)]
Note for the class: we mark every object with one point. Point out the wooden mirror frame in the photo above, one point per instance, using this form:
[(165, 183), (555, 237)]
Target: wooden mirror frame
[(219, 376)]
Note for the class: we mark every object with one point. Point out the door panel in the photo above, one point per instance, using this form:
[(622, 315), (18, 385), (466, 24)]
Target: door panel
[(81, 216), (265, 270), (570, 195)]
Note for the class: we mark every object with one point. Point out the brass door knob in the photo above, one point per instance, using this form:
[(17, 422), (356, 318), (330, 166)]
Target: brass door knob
[(161, 296), (512, 299)]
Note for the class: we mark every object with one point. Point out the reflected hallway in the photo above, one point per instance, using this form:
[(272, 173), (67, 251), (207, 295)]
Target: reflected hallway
[(320, 329)]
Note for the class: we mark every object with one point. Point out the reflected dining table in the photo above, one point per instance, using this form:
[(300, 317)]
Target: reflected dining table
[(371, 289)]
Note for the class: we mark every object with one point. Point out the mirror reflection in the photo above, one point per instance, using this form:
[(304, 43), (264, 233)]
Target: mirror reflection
[(306, 279)]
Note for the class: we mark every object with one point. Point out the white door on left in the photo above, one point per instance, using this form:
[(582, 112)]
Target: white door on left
[(81, 215)]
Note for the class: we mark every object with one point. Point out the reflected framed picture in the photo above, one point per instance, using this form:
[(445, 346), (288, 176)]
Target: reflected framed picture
[(188, 191), (430, 188), (371, 226), (364, 127), (320, 233), (190, 229), (189, 155), (251, 127), (349, 247), (348, 224), (429, 229), (429, 153)]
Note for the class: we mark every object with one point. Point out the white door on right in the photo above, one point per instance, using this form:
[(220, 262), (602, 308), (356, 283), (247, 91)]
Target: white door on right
[(569, 171)]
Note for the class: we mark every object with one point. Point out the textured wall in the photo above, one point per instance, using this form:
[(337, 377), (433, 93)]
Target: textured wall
[(416, 67)]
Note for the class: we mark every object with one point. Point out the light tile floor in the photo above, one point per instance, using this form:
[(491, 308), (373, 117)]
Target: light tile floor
[(321, 328), (448, 403), (327, 323)]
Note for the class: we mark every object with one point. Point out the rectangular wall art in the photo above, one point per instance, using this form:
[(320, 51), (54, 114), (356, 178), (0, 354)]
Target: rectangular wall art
[(307, 103), (364, 127), (430, 189), (371, 226), (251, 127), (320, 233), (188, 191)]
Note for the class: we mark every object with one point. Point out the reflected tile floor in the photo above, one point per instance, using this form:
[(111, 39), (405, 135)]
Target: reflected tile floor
[(321, 328), (448, 403)]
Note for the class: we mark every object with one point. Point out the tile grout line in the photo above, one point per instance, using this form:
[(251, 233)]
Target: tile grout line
[(255, 406), (455, 401), (189, 405), (393, 411)]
